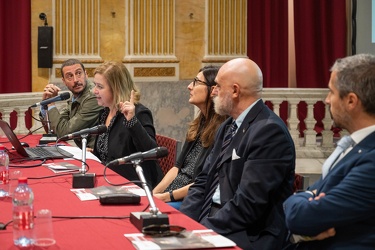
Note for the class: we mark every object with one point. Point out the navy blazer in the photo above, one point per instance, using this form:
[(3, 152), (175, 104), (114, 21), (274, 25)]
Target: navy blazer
[(255, 179), (349, 204), (124, 141)]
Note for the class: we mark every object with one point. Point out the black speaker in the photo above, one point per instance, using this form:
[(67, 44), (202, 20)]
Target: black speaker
[(45, 50)]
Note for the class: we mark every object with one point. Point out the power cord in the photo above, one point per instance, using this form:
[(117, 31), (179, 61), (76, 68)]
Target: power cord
[(4, 226)]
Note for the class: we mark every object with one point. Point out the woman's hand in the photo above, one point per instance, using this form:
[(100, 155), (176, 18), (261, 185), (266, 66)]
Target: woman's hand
[(128, 108), (163, 196)]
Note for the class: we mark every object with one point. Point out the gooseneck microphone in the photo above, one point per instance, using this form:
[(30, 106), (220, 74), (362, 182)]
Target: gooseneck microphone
[(87, 131), (63, 96), (152, 154)]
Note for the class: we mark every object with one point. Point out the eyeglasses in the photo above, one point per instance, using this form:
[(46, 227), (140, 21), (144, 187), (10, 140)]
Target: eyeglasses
[(162, 230), (199, 81), (69, 76)]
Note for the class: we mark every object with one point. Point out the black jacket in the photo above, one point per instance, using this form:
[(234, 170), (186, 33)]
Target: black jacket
[(124, 141)]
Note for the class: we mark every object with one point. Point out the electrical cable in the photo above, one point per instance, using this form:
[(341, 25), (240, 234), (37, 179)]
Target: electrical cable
[(90, 217), (4, 226)]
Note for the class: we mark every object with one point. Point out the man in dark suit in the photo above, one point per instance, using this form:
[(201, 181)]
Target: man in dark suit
[(255, 173), (340, 207)]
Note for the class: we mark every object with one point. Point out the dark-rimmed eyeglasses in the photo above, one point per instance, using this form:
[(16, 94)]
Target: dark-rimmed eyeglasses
[(162, 230), (196, 81)]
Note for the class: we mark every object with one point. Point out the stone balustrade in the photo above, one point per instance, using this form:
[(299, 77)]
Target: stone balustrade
[(18, 104), (309, 143)]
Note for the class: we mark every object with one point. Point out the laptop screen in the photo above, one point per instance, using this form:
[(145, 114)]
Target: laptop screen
[(12, 138)]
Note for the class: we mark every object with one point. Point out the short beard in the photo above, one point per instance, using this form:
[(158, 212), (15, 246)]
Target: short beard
[(223, 106)]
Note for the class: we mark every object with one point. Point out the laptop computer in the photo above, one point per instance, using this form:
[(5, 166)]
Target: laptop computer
[(34, 153)]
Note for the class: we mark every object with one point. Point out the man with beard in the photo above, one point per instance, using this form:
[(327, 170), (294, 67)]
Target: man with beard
[(340, 206), (250, 171), (82, 110)]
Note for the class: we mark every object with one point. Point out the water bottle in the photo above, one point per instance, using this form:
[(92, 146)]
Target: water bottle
[(23, 214), (4, 172)]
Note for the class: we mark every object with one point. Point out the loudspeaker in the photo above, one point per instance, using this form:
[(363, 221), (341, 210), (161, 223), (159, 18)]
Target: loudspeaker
[(45, 50)]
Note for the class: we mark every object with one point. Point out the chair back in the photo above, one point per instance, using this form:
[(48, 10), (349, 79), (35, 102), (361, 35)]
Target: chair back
[(173, 147), (300, 182)]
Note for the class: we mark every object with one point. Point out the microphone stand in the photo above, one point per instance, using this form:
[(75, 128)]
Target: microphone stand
[(154, 217), (83, 179), (49, 137)]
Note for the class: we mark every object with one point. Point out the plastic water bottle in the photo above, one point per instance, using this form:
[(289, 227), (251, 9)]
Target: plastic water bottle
[(4, 172), (23, 214)]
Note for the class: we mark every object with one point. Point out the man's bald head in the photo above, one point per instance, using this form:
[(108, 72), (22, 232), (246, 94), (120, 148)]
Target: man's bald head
[(239, 84), (246, 73)]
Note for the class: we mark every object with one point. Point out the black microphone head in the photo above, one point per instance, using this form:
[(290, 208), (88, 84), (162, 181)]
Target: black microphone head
[(161, 152), (101, 129), (65, 96)]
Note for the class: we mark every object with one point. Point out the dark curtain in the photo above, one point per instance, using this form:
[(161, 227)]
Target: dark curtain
[(320, 38), (15, 46), (267, 43)]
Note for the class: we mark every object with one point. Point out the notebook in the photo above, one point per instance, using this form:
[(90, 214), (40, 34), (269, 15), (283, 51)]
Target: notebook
[(34, 153)]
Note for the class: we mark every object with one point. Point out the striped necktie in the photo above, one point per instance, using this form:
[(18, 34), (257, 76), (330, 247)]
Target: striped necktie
[(343, 144), (231, 131)]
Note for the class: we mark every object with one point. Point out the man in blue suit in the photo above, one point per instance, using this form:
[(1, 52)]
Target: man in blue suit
[(239, 193), (340, 207)]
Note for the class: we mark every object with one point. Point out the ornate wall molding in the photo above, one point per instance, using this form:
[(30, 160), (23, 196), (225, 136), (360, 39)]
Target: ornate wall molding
[(226, 30), (150, 40)]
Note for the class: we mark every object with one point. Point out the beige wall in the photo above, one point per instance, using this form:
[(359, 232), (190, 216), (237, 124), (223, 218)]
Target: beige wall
[(167, 100), (40, 77), (189, 37)]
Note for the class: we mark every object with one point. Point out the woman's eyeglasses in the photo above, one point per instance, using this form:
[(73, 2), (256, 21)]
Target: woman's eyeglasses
[(197, 81), (162, 230)]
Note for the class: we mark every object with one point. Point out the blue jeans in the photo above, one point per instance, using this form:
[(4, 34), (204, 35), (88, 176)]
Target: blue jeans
[(175, 204)]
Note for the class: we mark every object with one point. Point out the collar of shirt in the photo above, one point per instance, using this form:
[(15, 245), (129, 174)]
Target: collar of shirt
[(357, 137), (361, 134), (242, 116)]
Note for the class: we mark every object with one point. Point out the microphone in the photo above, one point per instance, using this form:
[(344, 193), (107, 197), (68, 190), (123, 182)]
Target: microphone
[(152, 154), (60, 97), (89, 131)]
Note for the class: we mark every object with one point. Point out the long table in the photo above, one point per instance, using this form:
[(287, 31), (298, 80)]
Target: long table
[(85, 233)]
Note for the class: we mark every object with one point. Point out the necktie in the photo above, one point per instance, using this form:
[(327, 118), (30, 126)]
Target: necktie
[(342, 145), (231, 131)]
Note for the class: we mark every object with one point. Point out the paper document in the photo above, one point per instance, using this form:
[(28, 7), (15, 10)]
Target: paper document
[(86, 194), (77, 153), (62, 167), (196, 239)]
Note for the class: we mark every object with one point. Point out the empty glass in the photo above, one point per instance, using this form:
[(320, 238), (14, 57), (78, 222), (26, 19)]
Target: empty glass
[(43, 230)]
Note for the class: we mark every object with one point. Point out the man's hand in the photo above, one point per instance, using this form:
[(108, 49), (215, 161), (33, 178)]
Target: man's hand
[(323, 235), (317, 197), (50, 90), (326, 234)]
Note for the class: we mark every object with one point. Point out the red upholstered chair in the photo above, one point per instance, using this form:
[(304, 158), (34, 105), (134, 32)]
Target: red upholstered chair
[(173, 147), (300, 182)]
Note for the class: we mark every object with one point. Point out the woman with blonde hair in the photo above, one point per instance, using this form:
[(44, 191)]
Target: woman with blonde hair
[(130, 124)]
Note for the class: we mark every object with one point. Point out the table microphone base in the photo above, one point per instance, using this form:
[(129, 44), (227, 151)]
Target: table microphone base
[(143, 219), (47, 138), (86, 180)]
